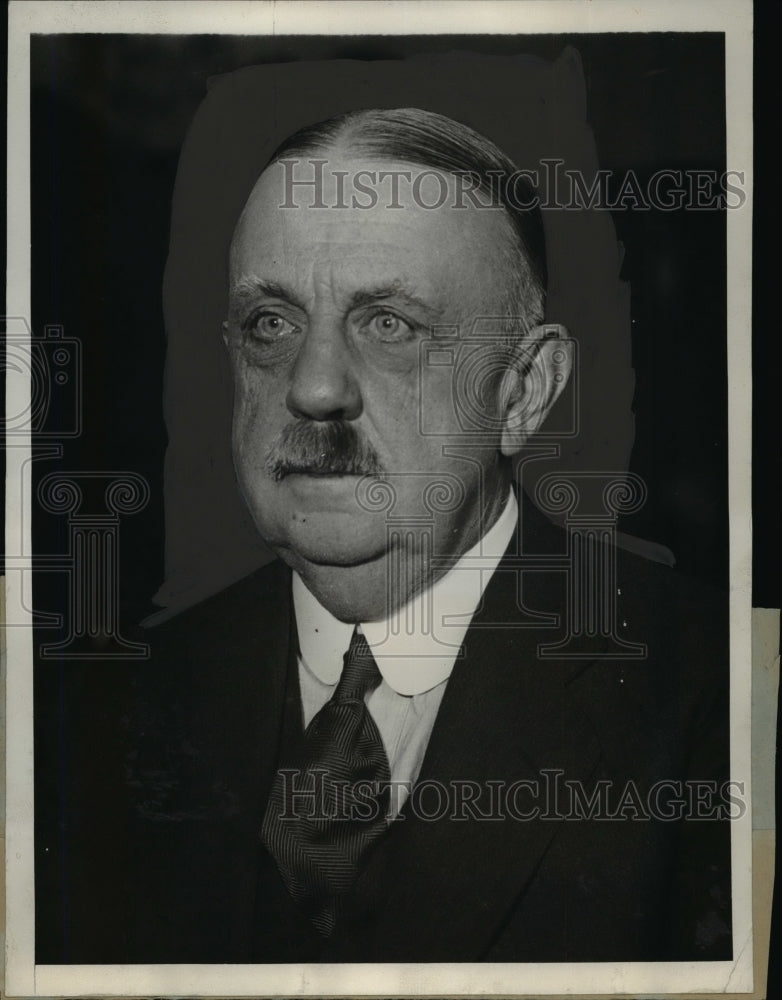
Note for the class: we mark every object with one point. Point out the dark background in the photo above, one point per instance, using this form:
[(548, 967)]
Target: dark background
[(109, 114)]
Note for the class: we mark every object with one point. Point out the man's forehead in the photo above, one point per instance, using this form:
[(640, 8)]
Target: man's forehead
[(357, 229), (304, 180), (339, 259), (456, 260), (326, 195)]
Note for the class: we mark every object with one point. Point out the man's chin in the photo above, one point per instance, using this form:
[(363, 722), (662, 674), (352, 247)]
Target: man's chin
[(342, 548)]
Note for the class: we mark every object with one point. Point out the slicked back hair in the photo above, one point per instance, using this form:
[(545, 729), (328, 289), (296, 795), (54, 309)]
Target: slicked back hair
[(425, 139)]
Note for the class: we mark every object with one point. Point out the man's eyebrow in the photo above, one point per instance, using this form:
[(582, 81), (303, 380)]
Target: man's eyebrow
[(249, 286), (396, 290)]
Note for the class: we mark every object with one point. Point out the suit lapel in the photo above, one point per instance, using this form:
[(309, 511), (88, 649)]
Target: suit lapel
[(226, 687), (442, 886), (256, 686), (249, 676)]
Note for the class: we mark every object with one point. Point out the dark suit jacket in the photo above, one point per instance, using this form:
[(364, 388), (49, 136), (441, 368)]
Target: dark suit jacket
[(148, 844)]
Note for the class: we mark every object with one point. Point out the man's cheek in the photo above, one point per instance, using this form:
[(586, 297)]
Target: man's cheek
[(392, 407), (256, 398), (252, 434)]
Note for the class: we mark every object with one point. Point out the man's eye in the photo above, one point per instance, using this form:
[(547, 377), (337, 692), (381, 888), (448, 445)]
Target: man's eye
[(268, 326), (389, 327)]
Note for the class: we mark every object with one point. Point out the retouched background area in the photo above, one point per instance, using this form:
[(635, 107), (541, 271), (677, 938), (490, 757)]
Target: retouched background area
[(109, 114)]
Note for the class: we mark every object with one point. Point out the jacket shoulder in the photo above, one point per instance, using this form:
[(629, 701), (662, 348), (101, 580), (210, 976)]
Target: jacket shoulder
[(220, 622)]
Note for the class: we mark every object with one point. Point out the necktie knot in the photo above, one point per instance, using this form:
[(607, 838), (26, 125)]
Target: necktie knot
[(360, 673)]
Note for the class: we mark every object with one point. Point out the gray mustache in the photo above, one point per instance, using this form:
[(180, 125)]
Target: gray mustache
[(327, 447)]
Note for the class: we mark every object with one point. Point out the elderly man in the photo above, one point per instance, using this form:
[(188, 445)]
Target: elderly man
[(331, 296), (357, 753)]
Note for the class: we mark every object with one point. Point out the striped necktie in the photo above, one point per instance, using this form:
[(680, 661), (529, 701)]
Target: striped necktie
[(324, 813)]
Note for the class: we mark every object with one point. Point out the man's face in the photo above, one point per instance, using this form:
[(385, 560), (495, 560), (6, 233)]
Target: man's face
[(328, 309)]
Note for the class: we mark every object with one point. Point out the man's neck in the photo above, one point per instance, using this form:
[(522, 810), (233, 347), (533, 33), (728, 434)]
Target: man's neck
[(416, 646)]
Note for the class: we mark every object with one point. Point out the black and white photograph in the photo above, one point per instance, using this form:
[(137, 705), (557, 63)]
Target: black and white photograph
[(377, 456)]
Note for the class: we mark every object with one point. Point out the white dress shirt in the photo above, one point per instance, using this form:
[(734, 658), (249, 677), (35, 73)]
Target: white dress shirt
[(415, 662)]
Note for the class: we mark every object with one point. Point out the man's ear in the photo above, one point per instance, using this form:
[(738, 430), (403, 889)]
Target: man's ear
[(224, 328), (541, 365)]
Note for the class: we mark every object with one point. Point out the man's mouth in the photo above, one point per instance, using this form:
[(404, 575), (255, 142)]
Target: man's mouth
[(315, 472), (322, 473)]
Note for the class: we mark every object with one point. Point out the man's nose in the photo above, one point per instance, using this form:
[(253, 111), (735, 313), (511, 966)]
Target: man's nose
[(323, 385)]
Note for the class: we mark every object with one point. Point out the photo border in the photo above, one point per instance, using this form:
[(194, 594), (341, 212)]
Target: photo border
[(23, 977)]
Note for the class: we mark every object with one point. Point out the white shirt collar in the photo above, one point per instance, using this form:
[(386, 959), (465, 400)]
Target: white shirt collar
[(412, 660)]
